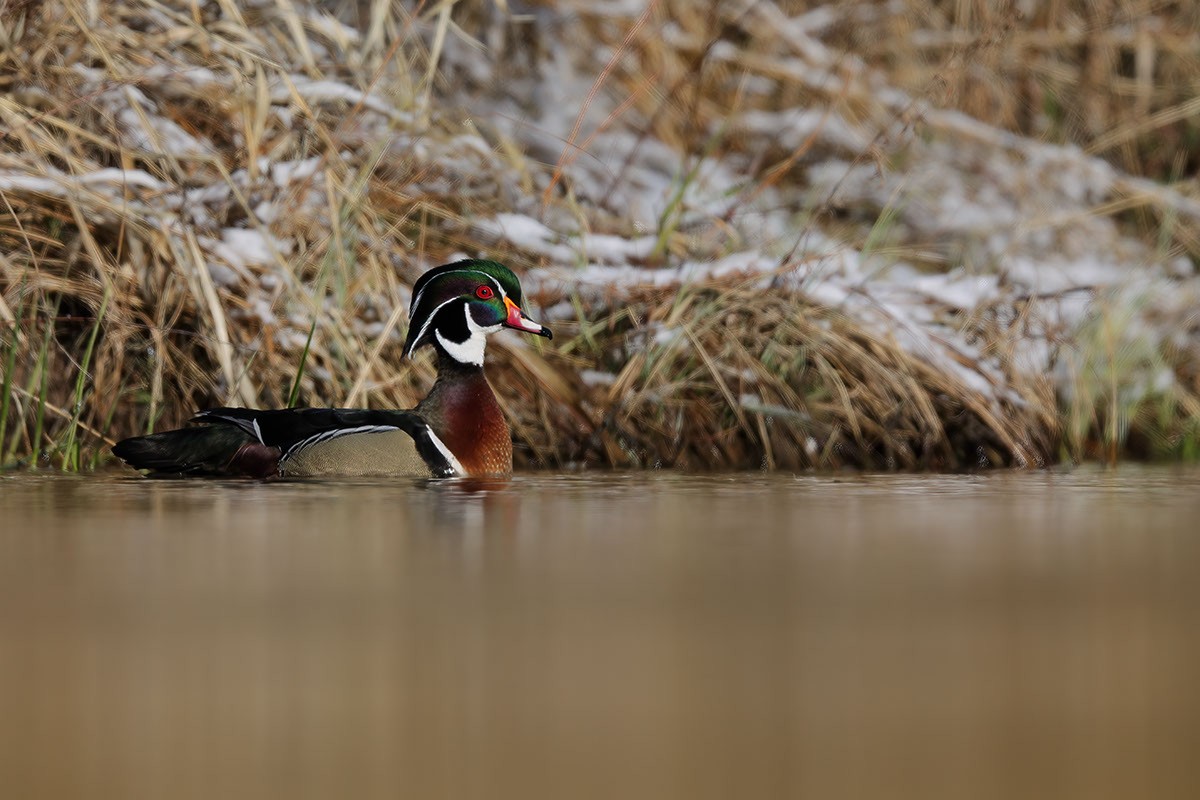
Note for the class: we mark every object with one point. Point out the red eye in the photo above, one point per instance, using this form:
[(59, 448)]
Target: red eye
[(484, 293)]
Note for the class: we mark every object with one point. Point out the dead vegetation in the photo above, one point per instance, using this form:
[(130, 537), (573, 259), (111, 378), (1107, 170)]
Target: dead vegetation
[(735, 377), (217, 203)]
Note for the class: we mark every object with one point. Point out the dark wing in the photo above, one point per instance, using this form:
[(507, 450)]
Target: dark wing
[(294, 429), (212, 450)]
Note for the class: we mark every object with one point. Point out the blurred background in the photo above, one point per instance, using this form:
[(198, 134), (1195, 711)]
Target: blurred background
[(885, 235)]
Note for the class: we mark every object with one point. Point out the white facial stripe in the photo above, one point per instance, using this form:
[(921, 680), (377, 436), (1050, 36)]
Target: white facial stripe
[(495, 283), (470, 351), (429, 320)]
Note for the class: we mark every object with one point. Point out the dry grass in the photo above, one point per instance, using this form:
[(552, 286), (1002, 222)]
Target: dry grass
[(752, 380), (198, 132), (1116, 77), (122, 308)]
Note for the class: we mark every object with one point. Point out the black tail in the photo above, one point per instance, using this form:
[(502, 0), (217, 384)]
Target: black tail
[(202, 450)]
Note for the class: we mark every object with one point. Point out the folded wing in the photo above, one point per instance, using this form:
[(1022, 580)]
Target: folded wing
[(295, 442)]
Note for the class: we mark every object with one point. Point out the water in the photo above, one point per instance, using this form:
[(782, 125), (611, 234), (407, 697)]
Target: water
[(649, 635)]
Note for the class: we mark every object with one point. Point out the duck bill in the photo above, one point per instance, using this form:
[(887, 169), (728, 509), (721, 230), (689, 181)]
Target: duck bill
[(518, 321)]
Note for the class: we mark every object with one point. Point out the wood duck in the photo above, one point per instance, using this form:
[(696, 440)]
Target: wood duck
[(458, 430)]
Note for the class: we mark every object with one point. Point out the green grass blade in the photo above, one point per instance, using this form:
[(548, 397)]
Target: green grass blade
[(294, 394), (10, 366), (41, 378), (71, 448)]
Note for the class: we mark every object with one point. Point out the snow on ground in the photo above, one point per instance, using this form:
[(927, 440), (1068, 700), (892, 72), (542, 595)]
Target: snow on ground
[(942, 217), (1005, 223)]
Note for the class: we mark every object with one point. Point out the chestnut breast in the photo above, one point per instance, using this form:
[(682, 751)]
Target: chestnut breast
[(462, 410)]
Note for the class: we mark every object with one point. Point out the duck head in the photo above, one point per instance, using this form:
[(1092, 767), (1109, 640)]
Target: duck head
[(455, 307)]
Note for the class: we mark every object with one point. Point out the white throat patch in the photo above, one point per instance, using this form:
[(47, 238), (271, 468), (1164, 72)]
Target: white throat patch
[(470, 351)]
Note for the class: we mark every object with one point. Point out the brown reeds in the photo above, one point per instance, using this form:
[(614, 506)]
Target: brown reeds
[(220, 203), (738, 377)]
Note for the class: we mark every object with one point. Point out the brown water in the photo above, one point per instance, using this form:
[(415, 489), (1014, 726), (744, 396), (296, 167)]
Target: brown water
[(652, 635)]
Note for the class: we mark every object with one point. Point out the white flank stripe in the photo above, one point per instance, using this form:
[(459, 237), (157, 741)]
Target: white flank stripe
[(445, 451)]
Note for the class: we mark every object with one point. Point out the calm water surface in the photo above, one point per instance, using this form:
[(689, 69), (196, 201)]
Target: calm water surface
[(651, 635)]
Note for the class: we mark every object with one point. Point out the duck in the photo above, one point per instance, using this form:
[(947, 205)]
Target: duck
[(457, 430)]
